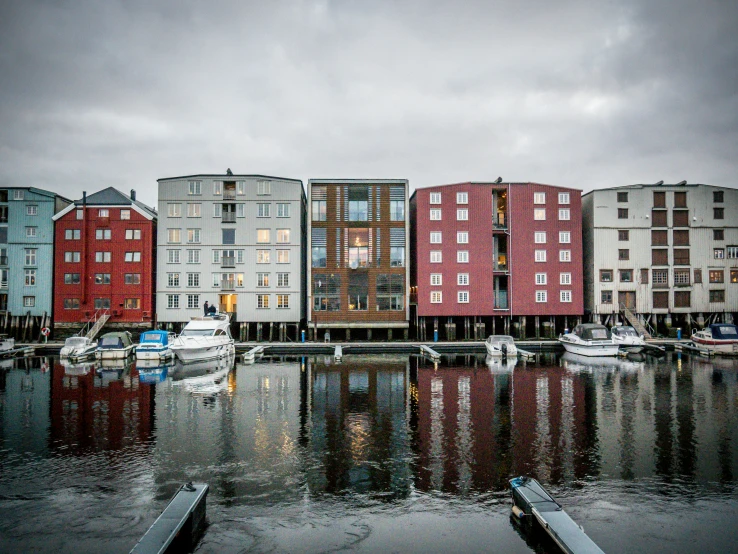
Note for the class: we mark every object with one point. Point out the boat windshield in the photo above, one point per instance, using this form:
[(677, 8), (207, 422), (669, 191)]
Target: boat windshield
[(110, 341), (76, 341), (151, 337), (727, 332), (599, 333), (625, 332), (196, 333)]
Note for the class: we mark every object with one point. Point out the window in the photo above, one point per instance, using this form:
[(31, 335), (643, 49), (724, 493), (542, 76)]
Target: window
[(564, 237), (732, 252), (682, 299), (681, 277), (174, 210), (390, 292), (659, 256), (262, 210), (326, 292), (283, 256), (217, 188), (541, 278), (539, 237), (193, 301), (622, 197), (733, 275), (681, 238), (436, 279), (436, 297), (564, 278), (319, 209), (462, 214), (133, 234), (539, 197), (103, 213), (718, 234), (72, 234), (563, 198), (263, 187), (283, 301), (218, 210), (193, 235), (606, 297), (681, 256), (283, 236), (462, 198), (719, 253), (716, 275), (565, 296), (30, 254), (194, 210), (462, 279), (319, 248), (71, 279), (193, 279), (71, 257), (623, 235), (435, 197), (173, 301), (132, 304), (194, 188), (33, 210), (540, 255), (659, 199), (358, 203), (30, 278), (717, 196), (435, 257), (241, 210), (435, 237), (283, 279), (660, 278), (680, 199), (698, 276), (172, 279), (397, 203), (102, 278), (462, 297), (228, 236), (125, 214), (564, 214), (17, 194), (462, 257), (240, 188), (29, 301), (605, 275), (71, 303), (193, 256), (30, 232), (539, 214), (622, 213), (102, 303), (435, 214), (173, 256), (680, 218), (283, 209), (462, 237), (262, 279), (262, 256), (644, 276), (262, 236), (541, 296), (717, 296), (661, 300), (718, 213), (659, 238), (133, 256), (564, 255), (358, 292), (658, 218), (102, 257), (626, 275), (623, 254), (102, 234)]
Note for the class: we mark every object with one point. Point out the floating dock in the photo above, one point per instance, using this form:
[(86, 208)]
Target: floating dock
[(180, 525), (693, 349), (532, 501), (428, 351)]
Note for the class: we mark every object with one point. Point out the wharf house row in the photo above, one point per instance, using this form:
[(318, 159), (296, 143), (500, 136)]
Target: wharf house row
[(358, 259)]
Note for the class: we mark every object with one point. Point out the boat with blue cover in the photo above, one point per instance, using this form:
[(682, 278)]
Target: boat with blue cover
[(155, 345)]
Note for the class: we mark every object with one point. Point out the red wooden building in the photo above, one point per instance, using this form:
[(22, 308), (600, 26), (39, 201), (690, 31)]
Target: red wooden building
[(496, 256), (104, 260)]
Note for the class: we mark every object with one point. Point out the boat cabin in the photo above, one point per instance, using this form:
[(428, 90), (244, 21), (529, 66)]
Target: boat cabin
[(592, 331), (157, 337), (724, 331), (624, 331), (115, 341)]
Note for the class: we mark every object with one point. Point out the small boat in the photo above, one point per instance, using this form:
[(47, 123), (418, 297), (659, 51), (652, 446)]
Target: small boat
[(628, 339), (115, 345), (720, 338), (206, 378), (500, 365), (78, 348), (155, 345), (578, 363), (501, 346), (77, 368), (6, 343), (204, 338), (532, 503), (153, 371), (590, 339)]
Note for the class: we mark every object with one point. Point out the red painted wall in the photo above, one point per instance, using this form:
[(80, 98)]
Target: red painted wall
[(88, 245)]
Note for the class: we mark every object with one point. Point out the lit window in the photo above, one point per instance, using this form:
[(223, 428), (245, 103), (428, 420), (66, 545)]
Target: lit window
[(30, 278), (194, 210), (283, 256), (283, 236), (217, 188), (174, 210), (132, 303), (193, 235), (436, 297), (539, 214), (262, 256), (283, 301), (262, 235), (262, 301)]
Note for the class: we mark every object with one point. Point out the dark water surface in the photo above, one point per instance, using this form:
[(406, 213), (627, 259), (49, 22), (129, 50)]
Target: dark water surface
[(374, 454)]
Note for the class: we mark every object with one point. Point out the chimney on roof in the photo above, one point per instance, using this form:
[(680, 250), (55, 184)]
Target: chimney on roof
[(84, 198), (133, 195)]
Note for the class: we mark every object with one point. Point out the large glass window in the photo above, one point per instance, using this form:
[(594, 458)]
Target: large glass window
[(397, 204), (326, 292), (358, 291), (319, 248), (390, 292), (358, 203), (397, 247), (358, 247)]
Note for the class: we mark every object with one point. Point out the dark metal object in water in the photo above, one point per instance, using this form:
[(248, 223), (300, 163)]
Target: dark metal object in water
[(532, 502)]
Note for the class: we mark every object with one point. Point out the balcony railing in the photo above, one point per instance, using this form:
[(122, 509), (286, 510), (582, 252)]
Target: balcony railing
[(227, 284), (500, 221), (501, 300), (228, 261), (228, 217), (229, 194)]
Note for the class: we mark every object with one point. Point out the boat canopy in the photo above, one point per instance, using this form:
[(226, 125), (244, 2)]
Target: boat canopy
[(624, 331), (592, 331), (724, 331), (155, 336), (77, 341), (500, 339), (114, 340)]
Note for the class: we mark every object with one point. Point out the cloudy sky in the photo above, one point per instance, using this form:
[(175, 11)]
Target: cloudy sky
[(571, 93)]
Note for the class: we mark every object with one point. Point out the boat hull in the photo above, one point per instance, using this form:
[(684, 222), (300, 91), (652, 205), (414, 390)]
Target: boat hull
[(726, 348), (591, 349), (497, 353), (155, 353), (114, 353), (199, 352)]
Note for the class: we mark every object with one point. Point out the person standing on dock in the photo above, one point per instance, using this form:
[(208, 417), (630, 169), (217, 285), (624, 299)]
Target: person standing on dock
[(205, 307)]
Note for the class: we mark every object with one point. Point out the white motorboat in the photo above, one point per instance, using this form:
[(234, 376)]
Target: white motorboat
[(115, 346), (500, 365), (578, 363), (720, 338), (628, 339), (78, 348), (155, 345), (6, 343), (205, 378), (590, 339), (501, 346), (204, 338)]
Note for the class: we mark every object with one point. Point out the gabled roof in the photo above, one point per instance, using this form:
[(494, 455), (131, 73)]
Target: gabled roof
[(110, 197), (40, 192), (227, 177)]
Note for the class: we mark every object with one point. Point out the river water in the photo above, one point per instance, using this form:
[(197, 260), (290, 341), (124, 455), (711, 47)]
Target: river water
[(373, 454)]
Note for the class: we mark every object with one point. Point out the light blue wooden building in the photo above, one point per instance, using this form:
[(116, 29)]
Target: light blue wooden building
[(27, 249)]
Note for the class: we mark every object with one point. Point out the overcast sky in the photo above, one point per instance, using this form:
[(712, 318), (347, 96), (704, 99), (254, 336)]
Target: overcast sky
[(570, 93)]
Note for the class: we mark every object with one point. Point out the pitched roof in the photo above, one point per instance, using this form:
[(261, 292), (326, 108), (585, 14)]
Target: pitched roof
[(113, 197)]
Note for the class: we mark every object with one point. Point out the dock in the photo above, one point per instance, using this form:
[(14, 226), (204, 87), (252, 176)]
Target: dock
[(692, 348), (18, 352), (429, 352), (338, 353), (533, 503), (180, 525), (250, 356), (526, 355)]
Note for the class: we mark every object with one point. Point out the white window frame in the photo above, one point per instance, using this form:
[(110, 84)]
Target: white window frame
[(283, 280), (125, 215), (541, 278), (435, 214), (462, 279), (564, 255), (462, 256), (174, 209), (283, 256), (564, 198), (103, 212), (539, 237), (565, 296), (564, 214), (240, 188), (462, 237), (462, 296), (194, 209), (564, 278), (564, 237), (133, 234), (462, 214), (193, 301), (174, 256), (132, 257), (174, 236), (540, 255), (32, 210), (539, 214), (435, 198), (263, 236), (436, 297), (436, 237), (436, 279), (263, 209), (31, 232), (218, 188), (539, 197), (436, 256), (263, 187), (462, 197), (173, 280), (193, 256), (18, 194), (173, 301), (283, 236), (262, 256), (283, 209), (541, 296), (193, 280), (193, 236), (194, 188)]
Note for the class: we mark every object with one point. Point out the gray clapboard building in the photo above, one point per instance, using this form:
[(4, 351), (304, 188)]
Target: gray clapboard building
[(235, 241)]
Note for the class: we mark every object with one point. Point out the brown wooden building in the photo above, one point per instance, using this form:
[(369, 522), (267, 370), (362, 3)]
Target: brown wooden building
[(358, 237)]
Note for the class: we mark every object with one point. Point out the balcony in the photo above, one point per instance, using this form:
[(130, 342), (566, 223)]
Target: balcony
[(500, 221), (228, 217), (501, 300), (228, 261), (227, 284), (229, 194)]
